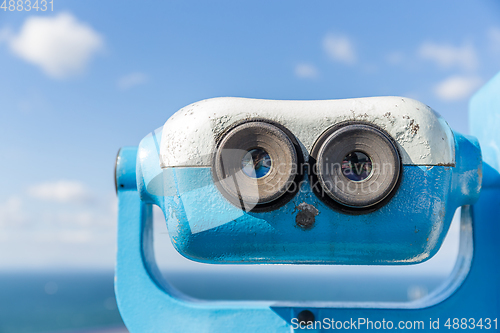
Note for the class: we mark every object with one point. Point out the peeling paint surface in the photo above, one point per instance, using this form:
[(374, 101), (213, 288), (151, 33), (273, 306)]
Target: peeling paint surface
[(190, 135), (306, 217)]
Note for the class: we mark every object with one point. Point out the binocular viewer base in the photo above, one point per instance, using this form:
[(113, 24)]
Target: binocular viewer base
[(148, 304)]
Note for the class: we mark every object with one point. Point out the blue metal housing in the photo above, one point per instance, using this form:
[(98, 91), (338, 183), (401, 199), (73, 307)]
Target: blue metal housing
[(205, 227), (149, 304)]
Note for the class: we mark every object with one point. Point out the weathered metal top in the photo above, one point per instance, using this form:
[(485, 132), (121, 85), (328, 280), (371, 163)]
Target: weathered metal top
[(422, 136)]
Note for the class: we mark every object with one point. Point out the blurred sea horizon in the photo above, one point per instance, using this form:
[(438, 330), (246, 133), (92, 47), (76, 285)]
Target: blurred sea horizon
[(57, 301), (84, 301)]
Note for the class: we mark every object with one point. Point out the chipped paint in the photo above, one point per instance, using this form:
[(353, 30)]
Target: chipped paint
[(189, 136), (414, 127), (306, 217)]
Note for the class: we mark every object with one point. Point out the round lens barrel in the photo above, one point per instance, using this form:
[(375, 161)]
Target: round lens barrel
[(255, 163), (357, 165)]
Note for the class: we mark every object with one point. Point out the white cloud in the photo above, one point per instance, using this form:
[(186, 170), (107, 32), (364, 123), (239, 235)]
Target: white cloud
[(448, 56), (12, 213), (61, 45), (339, 48), (131, 80), (45, 234), (63, 191), (306, 71), (395, 58), (457, 87), (494, 37)]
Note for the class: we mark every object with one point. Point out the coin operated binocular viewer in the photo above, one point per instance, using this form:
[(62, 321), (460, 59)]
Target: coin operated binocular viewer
[(334, 182)]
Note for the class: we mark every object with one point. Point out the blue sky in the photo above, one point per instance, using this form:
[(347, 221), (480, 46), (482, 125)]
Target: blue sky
[(79, 82)]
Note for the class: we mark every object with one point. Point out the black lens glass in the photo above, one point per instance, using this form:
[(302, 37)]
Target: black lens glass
[(356, 166)]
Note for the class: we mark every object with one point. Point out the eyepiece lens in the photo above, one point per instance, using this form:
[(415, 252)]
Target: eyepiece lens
[(256, 163), (356, 166)]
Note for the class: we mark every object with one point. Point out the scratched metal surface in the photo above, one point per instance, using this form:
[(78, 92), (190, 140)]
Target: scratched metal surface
[(423, 137)]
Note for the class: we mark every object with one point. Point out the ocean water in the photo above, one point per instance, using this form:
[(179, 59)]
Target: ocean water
[(58, 302), (85, 301)]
